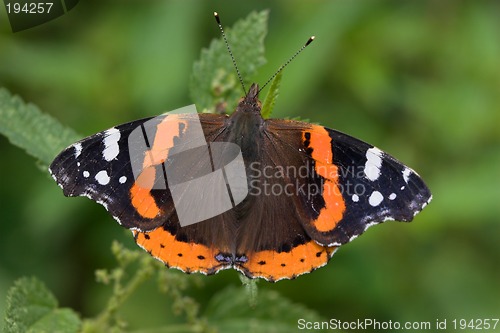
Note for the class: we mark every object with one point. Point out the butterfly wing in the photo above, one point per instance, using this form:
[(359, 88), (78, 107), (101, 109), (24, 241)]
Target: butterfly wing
[(356, 184), (101, 167)]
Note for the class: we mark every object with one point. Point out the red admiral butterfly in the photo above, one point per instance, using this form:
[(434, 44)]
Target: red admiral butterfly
[(311, 189)]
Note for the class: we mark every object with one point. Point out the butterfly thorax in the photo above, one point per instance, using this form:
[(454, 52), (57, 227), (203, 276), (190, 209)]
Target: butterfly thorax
[(245, 126)]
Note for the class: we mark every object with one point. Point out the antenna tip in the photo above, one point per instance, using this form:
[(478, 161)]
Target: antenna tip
[(216, 15), (310, 40)]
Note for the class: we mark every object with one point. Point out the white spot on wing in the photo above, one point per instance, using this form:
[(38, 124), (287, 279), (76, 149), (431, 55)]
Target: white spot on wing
[(355, 198), (122, 179), (86, 174), (102, 177), (375, 198), (392, 196), (78, 149), (406, 174), (111, 147), (373, 163)]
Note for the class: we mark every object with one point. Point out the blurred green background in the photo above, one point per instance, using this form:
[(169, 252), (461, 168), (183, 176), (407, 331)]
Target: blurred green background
[(420, 79)]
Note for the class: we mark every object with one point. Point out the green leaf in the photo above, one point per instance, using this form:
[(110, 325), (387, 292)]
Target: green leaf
[(214, 82), (31, 307), (230, 311), (27, 127), (250, 289), (272, 96)]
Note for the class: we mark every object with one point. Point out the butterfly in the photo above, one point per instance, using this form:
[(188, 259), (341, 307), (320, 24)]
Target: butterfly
[(306, 189)]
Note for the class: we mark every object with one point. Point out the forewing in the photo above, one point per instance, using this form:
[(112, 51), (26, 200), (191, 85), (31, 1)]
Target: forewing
[(359, 185), (121, 168)]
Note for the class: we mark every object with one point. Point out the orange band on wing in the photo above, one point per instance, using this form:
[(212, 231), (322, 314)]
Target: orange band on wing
[(166, 132), (188, 257), (140, 194), (321, 143), (274, 266), (334, 208), (332, 213)]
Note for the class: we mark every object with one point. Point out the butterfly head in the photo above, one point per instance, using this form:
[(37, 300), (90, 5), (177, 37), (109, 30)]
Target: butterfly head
[(250, 103)]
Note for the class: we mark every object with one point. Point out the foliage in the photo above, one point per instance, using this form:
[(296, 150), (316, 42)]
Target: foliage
[(230, 311), (214, 80), (272, 96), (31, 307), (28, 128)]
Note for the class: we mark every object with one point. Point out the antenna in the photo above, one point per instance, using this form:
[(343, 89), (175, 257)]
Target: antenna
[(217, 18), (309, 41)]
